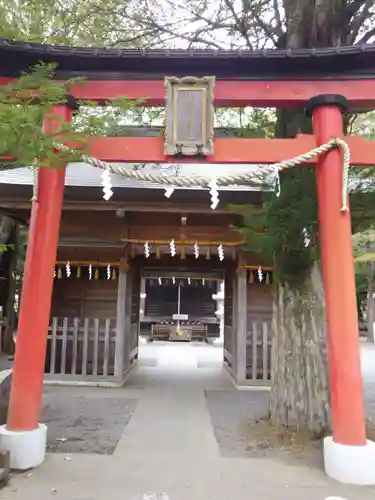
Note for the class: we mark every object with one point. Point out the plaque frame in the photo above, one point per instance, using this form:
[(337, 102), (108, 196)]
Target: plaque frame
[(204, 145)]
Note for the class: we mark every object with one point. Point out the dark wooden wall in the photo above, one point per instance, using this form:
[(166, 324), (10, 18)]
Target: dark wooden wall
[(80, 298)]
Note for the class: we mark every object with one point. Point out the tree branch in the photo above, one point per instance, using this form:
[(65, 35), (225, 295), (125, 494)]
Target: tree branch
[(358, 21), (366, 37)]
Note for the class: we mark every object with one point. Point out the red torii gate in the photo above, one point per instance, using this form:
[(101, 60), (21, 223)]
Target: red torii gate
[(349, 457)]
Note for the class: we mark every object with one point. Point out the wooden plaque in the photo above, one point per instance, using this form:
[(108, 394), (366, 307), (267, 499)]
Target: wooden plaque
[(189, 116)]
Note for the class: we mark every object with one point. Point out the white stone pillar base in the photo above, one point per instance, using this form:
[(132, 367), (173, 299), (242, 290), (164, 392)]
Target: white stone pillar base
[(350, 464), (27, 448)]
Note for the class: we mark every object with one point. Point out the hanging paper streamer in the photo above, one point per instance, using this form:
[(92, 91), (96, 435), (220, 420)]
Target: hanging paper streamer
[(189, 280), (277, 182), (172, 247), (158, 253), (114, 274), (208, 254), (147, 250), (173, 280), (183, 253), (108, 272), (268, 278), (160, 282), (96, 275), (220, 252), (251, 278), (90, 272), (54, 273), (68, 269), (214, 193), (107, 185), (260, 274), (196, 250), (169, 191), (306, 237), (59, 273), (78, 272)]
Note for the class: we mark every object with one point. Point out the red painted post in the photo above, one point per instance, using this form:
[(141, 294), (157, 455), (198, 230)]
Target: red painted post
[(28, 368), (348, 418)]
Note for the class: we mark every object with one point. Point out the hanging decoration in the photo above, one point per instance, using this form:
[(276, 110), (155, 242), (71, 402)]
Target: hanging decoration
[(114, 274), (196, 250), (220, 252), (306, 237), (189, 280), (54, 273), (96, 275), (107, 185), (147, 250), (78, 272), (108, 272), (172, 247), (169, 191), (251, 278), (208, 254), (214, 193), (183, 253), (268, 278), (90, 272), (59, 273), (158, 253), (160, 282), (260, 274), (173, 280), (68, 269)]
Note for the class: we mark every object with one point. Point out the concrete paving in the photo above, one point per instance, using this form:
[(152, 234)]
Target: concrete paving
[(169, 446)]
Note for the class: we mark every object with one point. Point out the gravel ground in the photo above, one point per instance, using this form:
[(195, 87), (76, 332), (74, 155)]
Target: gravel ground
[(85, 425), (233, 414)]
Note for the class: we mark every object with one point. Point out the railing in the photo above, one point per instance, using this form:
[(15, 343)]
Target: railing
[(258, 353), (81, 348)]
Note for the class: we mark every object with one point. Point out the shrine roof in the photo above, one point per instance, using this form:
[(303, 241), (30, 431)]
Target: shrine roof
[(116, 63)]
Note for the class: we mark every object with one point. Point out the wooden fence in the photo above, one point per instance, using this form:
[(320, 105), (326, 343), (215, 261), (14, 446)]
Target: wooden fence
[(81, 348), (258, 353)]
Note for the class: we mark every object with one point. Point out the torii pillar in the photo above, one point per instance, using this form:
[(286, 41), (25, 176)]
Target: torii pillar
[(23, 436), (348, 456)]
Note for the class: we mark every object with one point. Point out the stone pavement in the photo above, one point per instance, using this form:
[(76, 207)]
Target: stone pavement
[(168, 443)]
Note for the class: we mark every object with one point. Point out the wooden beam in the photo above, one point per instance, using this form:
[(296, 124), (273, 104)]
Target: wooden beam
[(239, 150), (233, 93)]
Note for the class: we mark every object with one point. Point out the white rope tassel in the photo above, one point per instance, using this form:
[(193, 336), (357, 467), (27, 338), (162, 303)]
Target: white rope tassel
[(220, 251), (168, 192), (277, 183), (147, 250), (214, 193), (196, 250), (107, 185), (68, 269), (172, 247)]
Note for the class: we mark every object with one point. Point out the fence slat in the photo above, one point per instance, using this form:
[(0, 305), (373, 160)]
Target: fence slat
[(106, 346), (85, 346), (53, 345), (75, 345), (64, 345), (265, 350), (254, 347), (96, 347)]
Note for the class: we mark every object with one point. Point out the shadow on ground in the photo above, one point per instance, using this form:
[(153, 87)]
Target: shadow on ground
[(85, 425)]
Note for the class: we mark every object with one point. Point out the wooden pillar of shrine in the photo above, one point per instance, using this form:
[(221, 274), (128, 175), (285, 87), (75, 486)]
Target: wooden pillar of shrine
[(121, 322), (23, 436), (240, 312), (348, 456)]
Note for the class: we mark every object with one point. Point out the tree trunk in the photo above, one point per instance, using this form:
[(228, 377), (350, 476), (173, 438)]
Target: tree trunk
[(300, 390)]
